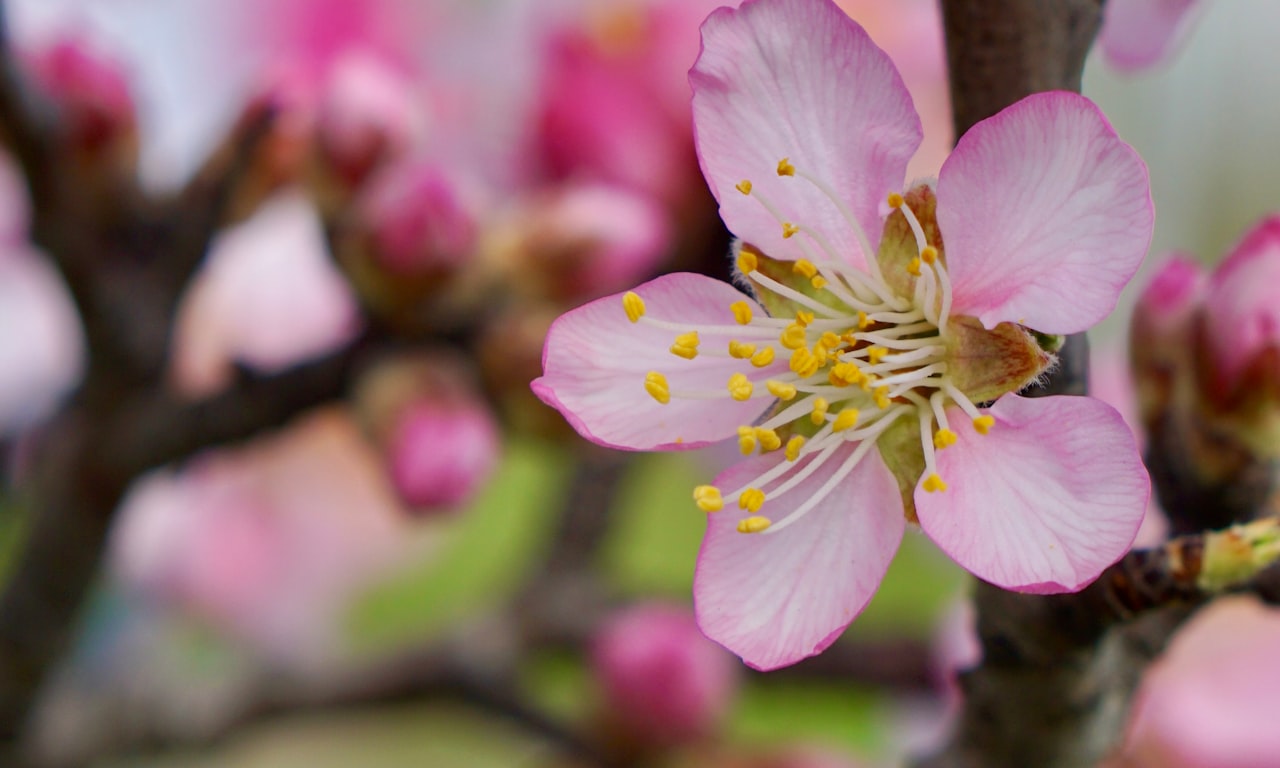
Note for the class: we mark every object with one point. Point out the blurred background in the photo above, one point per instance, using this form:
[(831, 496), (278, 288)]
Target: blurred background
[(404, 558)]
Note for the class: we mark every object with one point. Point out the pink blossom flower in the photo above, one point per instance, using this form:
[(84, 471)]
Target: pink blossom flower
[(268, 297), (1138, 34), (663, 682), (875, 372)]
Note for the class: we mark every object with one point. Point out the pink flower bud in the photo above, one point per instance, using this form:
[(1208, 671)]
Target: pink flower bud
[(92, 93), (589, 239), (1242, 310), (368, 113), (1173, 294), (664, 683), (441, 451), (419, 221)]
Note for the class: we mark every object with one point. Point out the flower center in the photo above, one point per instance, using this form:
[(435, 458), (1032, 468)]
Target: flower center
[(861, 357)]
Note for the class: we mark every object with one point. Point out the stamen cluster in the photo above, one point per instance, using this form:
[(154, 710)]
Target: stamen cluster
[(861, 357)]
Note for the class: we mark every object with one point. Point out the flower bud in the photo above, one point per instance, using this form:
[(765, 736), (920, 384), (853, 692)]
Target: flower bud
[(441, 453), (663, 682), (1242, 317), (438, 438), (418, 221), (1162, 334), (367, 114), (91, 95), (584, 240)]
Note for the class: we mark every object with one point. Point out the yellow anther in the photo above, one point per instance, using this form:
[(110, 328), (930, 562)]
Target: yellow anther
[(788, 229), (751, 499), (743, 186), (803, 317), (781, 389), (895, 200), (746, 440), (913, 267), (804, 267), (944, 438), (740, 386), (793, 447), (747, 262), (876, 354), (819, 414), (656, 385), (882, 397), (708, 498), (864, 321), (785, 168), (818, 282), (754, 524), (769, 440), (829, 340), (763, 357), (934, 483), (803, 363), (634, 305), (929, 254), (845, 375), (868, 379), (793, 337), (847, 418), (983, 424), (686, 345), (820, 353), (741, 312), (741, 350)]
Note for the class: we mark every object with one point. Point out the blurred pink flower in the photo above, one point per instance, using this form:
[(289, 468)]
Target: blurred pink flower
[(894, 349), (1211, 700), (441, 452), (1139, 34), (615, 101), (269, 540), (664, 683), (267, 297), (41, 341)]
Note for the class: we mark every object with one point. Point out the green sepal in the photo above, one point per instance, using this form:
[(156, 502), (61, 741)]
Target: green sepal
[(782, 272), (899, 446)]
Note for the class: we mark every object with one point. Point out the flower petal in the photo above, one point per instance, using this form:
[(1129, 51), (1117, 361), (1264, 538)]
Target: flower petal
[(799, 79), (595, 361), (1137, 34), (1045, 213), (1241, 311), (1051, 496), (776, 598)]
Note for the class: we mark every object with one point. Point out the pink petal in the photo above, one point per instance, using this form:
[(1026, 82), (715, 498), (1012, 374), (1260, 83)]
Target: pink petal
[(799, 79), (1242, 314), (776, 598), (1137, 34), (595, 361), (1051, 496), (1046, 214)]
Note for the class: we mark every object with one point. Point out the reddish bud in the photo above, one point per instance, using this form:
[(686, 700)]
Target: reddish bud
[(442, 452), (664, 683), (92, 95), (418, 221)]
